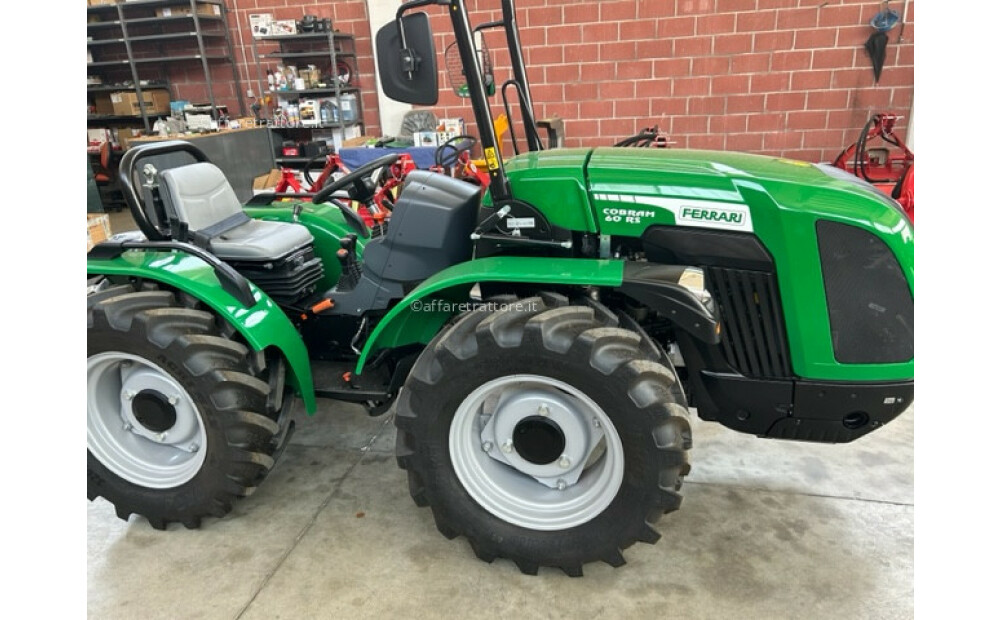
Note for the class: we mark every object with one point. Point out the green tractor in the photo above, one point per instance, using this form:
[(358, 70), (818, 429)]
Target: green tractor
[(541, 344)]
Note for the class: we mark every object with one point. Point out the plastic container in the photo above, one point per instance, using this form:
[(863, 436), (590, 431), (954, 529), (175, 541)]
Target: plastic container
[(349, 107)]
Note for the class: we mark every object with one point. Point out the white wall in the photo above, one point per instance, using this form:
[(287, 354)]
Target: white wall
[(381, 12)]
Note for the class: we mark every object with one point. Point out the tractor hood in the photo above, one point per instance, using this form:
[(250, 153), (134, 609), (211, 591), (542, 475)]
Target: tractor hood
[(624, 191)]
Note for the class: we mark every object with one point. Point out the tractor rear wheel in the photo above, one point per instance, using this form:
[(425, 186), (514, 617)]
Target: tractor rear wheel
[(177, 424), (542, 435)]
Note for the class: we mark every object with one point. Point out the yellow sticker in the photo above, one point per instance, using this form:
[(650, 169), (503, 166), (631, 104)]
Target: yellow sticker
[(794, 162), (491, 158)]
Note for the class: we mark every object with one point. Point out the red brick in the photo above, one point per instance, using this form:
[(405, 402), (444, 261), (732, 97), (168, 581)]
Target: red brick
[(811, 39), (578, 14), (561, 74), (672, 27), (709, 106), (904, 56), (745, 103), (850, 36), (596, 33), (732, 44), (747, 142), (785, 101), (771, 121), (532, 37), (854, 78), (711, 65), (617, 128), (581, 91), (547, 92), (581, 53), (654, 49), (770, 82), (776, 4), (617, 11), (688, 124), (826, 99), (545, 55), (564, 35), (751, 63), (896, 76), (632, 108), (654, 8), (634, 70), (875, 100), (770, 41), (597, 109), (672, 68), (807, 120), (543, 16), (728, 124), (832, 59), (756, 21), (902, 99), (843, 15), (723, 23), (565, 109), (845, 119), (793, 19), (618, 51), (791, 61), (693, 46), (616, 90), (652, 89), (688, 7), (692, 86), (667, 106), (779, 141), (638, 30), (822, 138), (706, 142), (730, 84), (811, 80)]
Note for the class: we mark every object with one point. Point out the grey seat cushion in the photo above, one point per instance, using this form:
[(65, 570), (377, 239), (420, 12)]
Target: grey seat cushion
[(201, 196)]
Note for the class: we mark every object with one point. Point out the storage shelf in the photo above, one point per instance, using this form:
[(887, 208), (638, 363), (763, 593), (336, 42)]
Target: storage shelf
[(323, 126), (177, 35), (171, 18), (179, 58), (119, 41), (106, 88), (316, 54), (107, 24), (315, 91), (108, 63), (342, 36)]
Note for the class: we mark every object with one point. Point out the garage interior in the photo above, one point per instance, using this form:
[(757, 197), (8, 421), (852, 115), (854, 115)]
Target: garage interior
[(782, 529)]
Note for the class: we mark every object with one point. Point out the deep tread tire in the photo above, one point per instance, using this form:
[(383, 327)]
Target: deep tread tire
[(217, 373), (613, 366)]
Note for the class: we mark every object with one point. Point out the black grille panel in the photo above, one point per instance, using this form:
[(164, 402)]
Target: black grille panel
[(868, 297), (753, 327), (287, 279)]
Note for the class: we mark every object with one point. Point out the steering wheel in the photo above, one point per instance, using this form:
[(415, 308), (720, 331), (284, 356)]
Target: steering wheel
[(448, 154), (362, 189)]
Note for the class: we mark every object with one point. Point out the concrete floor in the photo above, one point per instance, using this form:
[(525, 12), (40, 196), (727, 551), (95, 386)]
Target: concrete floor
[(767, 530)]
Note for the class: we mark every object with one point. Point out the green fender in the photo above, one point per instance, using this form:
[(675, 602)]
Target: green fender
[(263, 325), (419, 316)]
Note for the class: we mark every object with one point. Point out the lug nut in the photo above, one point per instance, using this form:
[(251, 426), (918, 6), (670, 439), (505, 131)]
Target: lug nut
[(508, 446), (128, 394), (172, 400), (161, 437), (597, 423), (193, 447), (127, 426), (561, 484), (543, 410), (487, 446), (564, 462)]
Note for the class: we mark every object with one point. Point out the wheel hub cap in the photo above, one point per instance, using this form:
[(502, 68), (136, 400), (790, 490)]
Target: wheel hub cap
[(536, 452), (141, 422)]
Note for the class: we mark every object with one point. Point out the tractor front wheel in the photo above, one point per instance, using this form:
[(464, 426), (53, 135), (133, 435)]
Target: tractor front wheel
[(543, 435), (176, 420)]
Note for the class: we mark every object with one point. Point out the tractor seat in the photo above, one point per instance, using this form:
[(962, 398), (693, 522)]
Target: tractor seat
[(200, 196)]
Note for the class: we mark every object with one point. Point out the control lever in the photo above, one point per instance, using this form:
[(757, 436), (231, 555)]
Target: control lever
[(489, 222), (350, 268)]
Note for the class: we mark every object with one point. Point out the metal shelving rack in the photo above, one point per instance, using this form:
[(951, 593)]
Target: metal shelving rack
[(302, 46), (123, 16)]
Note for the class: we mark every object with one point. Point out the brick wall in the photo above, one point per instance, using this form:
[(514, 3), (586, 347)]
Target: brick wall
[(785, 77)]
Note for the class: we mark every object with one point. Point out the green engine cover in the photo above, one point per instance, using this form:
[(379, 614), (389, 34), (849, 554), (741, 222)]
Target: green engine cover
[(622, 192)]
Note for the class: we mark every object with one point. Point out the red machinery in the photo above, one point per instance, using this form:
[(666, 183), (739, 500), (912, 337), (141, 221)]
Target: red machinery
[(890, 170)]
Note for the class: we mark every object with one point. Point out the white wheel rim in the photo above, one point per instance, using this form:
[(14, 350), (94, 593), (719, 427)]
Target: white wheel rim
[(156, 458), (569, 491)]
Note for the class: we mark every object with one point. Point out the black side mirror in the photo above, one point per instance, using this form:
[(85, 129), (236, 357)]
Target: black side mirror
[(407, 61)]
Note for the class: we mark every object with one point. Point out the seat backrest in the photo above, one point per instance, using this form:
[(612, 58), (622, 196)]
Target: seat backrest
[(199, 194)]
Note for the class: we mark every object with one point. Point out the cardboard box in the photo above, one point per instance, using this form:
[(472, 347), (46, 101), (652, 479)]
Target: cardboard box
[(177, 11), (261, 24), (284, 27), (267, 181), (309, 112), (102, 104), (98, 229), (126, 103), (425, 138)]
